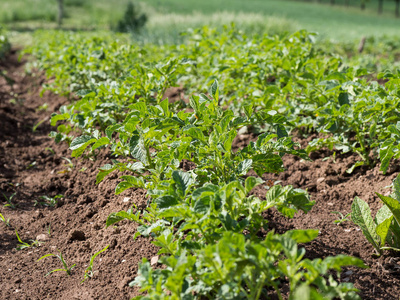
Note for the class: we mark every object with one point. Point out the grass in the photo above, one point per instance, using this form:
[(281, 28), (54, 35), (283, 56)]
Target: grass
[(168, 18), (78, 13), (167, 28), (336, 22)]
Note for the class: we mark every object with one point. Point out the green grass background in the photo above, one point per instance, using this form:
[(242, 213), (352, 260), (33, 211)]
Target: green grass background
[(168, 18)]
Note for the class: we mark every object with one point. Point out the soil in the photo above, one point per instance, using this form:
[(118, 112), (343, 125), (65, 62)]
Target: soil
[(32, 165)]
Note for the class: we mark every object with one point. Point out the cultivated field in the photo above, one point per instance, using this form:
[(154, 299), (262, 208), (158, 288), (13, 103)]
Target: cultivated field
[(232, 160)]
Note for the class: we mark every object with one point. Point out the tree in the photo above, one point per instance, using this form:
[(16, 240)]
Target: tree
[(363, 4), (60, 12), (380, 6), (397, 8), (133, 20)]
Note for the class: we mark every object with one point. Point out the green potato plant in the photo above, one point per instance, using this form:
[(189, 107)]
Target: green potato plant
[(383, 231), (210, 230)]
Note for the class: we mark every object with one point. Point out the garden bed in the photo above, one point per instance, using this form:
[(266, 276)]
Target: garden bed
[(32, 166)]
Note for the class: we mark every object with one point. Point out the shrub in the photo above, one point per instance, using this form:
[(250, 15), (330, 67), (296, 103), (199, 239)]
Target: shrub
[(133, 20)]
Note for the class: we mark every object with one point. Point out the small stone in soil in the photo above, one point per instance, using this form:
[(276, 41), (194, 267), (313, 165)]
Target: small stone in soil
[(154, 260), (42, 237)]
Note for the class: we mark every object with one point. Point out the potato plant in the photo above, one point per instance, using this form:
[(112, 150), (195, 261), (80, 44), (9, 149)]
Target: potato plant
[(315, 90), (383, 231), (213, 239)]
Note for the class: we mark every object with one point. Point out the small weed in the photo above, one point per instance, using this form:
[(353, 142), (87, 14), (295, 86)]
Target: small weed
[(50, 150), (61, 258), (14, 185), (49, 230), (69, 166), (9, 203), (43, 107), (89, 270), (342, 218), (49, 201), (31, 165), (37, 125), (333, 157), (23, 245), (3, 219)]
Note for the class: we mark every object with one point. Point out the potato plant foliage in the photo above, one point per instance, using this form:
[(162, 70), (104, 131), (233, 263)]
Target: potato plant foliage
[(383, 232), (315, 90), (213, 240)]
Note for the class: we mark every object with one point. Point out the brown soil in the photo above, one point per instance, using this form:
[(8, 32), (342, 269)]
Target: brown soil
[(32, 165)]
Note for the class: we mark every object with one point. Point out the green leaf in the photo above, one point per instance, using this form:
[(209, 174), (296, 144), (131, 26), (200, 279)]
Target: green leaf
[(119, 216), (182, 180), (101, 142), (393, 205), (302, 236), (361, 215), (229, 140), (244, 166), (138, 149), (80, 141), (104, 171), (305, 292), (164, 106), (343, 99), (214, 90), (396, 187), (201, 206), (252, 182), (357, 164), (385, 155), (55, 118), (166, 201), (47, 255), (382, 214), (194, 103), (110, 130), (79, 144), (341, 260), (196, 133), (383, 229), (248, 110), (204, 191), (97, 253), (130, 182)]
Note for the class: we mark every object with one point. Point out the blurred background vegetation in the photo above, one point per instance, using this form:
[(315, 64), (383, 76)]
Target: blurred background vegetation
[(164, 20)]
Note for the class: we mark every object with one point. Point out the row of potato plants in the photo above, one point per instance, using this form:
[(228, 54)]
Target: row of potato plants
[(211, 233), (362, 116), (315, 89), (210, 230)]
